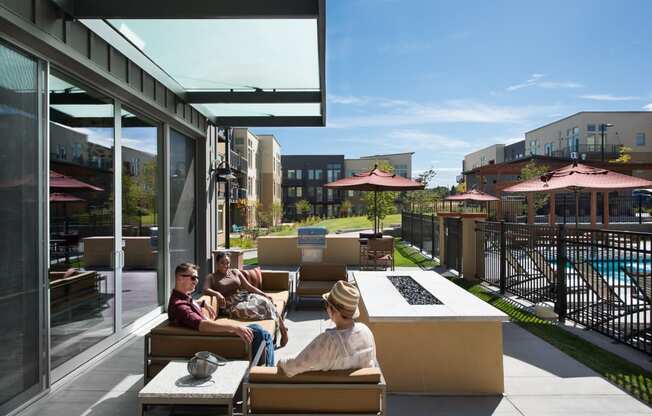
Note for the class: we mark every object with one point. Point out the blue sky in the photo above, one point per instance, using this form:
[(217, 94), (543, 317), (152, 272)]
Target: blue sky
[(443, 78)]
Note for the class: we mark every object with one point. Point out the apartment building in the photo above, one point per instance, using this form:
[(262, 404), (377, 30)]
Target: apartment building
[(271, 173), (304, 177), (594, 135)]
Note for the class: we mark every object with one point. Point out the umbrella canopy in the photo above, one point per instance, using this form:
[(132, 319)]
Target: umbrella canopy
[(58, 180), (62, 197), (578, 177), (472, 195), (376, 181)]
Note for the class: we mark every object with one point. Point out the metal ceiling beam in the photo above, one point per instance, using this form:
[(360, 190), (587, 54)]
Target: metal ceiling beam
[(253, 97), (190, 9), (321, 46), (271, 121)]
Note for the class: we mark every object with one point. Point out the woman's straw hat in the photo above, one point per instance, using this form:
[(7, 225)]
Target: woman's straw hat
[(344, 297)]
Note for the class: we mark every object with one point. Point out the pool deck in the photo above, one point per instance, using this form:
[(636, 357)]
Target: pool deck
[(539, 380)]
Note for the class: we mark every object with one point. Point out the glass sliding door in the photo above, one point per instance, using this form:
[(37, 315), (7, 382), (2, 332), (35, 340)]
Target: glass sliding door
[(81, 277), (20, 275), (142, 284), (183, 213)]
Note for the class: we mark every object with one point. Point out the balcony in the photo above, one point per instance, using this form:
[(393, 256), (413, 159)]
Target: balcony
[(238, 162), (587, 152)]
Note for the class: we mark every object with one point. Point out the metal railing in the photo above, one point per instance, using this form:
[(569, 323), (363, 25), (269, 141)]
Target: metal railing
[(600, 279), (422, 231)]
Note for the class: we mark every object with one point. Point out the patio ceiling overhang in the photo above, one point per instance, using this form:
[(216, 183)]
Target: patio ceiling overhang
[(244, 63)]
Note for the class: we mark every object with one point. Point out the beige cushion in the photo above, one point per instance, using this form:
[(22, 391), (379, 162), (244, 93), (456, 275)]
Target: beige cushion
[(323, 271), (276, 375), (280, 300), (314, 288), (165, 328), (268, 399), (275, 280)]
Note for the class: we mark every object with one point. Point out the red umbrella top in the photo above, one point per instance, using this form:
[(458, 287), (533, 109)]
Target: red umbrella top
[(61, 197), (472, 195), (376, 180), (577, 177), (58, 180)]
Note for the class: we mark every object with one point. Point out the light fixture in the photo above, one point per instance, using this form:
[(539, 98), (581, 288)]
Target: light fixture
[(223, 172)]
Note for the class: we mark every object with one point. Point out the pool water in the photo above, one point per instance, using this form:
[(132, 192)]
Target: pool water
[(611, 269)]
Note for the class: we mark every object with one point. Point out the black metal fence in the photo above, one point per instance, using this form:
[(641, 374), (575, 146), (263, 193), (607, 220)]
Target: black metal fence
[(597, 278), (453, 245), (421, 230)]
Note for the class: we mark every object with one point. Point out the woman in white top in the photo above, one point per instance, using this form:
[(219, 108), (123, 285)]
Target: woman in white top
[(349, 345)]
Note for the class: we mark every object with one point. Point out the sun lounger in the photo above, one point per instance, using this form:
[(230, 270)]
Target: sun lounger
[(643, 282)]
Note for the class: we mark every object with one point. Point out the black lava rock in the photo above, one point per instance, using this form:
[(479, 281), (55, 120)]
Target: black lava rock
[(413, 292)]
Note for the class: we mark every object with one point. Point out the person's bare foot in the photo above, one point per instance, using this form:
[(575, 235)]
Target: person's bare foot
[(284, 336)]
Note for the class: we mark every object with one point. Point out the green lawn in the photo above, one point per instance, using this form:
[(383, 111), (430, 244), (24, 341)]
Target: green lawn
[(343, 224), (629, 377), (407, 256)]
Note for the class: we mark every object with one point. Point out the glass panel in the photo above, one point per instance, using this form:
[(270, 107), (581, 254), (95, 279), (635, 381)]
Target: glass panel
[(253, 110), (82, 287), (142, 287), (182, 199), (241, 53), (19, 213)]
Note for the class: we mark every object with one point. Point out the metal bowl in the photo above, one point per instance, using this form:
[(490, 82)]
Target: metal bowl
[(204, 364)]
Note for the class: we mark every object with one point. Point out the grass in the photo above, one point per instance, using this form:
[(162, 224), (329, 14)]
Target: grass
[(243, 243), (408, 256), (624, 374), (343, 224), (251, 262)]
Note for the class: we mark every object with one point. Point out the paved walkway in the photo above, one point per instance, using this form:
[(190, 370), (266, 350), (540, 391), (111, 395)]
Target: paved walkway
[(539, 380)]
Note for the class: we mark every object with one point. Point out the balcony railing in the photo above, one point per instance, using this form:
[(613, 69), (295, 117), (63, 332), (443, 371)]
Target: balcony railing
[(238, 162), (587, 152)]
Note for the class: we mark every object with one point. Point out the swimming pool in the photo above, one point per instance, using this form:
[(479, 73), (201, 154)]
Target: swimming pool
[(611, 269)]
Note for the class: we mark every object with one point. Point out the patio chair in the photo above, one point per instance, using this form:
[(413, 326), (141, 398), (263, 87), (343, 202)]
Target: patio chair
[(642, 280), (377, 253), (267, 390), (315, 279)]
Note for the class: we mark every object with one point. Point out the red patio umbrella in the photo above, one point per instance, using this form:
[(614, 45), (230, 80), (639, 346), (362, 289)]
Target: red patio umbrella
[(472, 195), (61, 197), (58, 180), (376, 181), (578, 177)]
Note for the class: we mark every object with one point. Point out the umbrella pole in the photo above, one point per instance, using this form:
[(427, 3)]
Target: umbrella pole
[(375, 212), (577, 210)]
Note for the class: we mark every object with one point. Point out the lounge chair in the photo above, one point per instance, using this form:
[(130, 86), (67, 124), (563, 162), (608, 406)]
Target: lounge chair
[(267, 390), (315, 279), (642, 280), (377, 253)]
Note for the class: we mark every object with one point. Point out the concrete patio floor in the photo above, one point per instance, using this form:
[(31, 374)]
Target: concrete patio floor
[(539, 380)]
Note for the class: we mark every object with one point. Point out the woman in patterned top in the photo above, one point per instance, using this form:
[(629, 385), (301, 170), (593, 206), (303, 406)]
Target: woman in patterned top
[(239, 299)]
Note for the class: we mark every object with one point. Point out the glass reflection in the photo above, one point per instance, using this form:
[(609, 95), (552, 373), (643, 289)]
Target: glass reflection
[(19, 213), (141, 280), (182, 199), (81, 278)]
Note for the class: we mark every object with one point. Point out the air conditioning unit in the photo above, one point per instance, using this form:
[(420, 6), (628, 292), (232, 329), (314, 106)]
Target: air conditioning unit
[(573, 155)]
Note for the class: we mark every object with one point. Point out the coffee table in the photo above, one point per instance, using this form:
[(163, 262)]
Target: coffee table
[(174, 386)]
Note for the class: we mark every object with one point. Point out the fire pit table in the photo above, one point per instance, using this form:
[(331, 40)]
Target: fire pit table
[(432, 336)]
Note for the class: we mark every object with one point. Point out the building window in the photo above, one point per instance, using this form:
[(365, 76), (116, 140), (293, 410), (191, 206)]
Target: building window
[(311, 190), (334, 172), (401, 170), (319, 194), (314, 174), (294, 174), (640, 139), (220, 218), (590, 127)]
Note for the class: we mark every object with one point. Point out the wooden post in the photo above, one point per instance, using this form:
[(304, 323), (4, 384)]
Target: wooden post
[(605, 207), (552, 214), (594, 209), (530, 208), (499, 206)]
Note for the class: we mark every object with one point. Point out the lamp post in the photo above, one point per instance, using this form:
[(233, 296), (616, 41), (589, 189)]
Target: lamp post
[(603, 128)]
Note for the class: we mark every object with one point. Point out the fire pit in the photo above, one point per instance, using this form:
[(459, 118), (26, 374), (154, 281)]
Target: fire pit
[(432, 336)]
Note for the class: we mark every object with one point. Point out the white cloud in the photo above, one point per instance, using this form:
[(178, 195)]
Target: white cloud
[(387, 112), (536, 80), (609, 97), (648, 107), (346, 99)]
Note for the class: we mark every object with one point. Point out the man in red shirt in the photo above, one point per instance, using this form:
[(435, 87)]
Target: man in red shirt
[(184, 311)]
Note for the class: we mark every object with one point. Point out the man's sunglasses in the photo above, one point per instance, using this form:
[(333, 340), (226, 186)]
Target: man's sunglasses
[(194, 277)]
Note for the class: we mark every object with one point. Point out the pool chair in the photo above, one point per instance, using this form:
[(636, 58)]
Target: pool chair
[(643, 282), (519, 274), (268, 391)]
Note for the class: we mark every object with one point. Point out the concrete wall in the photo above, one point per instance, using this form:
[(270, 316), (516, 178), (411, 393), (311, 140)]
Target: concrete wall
[(484, 156), (271, 172), (283, 251)]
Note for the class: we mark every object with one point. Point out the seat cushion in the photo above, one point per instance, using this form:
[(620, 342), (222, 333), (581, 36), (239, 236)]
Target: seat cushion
[(323, 271), (165, 328), (276, 375), (314, 288)]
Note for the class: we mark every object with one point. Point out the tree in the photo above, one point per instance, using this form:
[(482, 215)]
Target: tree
[(461, 187), (303, 207), (384, 204), (345, 208), (624, 155), (532, 170), (277, 212)]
